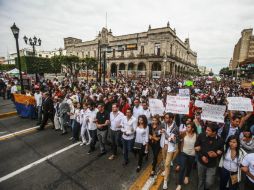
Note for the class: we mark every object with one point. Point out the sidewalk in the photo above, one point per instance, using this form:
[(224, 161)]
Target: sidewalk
[(6, 106)]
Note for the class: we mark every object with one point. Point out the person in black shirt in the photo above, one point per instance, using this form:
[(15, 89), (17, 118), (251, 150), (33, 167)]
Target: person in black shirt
[(102, 123), (209, 147)]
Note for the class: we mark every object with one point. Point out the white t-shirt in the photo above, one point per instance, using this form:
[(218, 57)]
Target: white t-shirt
[(137, 111), (248, 161), (142, 135), (91, 119), (14, 89), (128, 126), (38, 99)]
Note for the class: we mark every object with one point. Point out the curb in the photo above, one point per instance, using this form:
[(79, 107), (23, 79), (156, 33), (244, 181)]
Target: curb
[(8, 114)]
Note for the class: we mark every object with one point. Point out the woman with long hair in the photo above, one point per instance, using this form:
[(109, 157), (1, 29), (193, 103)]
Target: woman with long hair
[(230, 164), (187, 155), (154, 140), (141, 139)]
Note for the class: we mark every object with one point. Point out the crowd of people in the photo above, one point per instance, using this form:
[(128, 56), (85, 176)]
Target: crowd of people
[(118, 113)]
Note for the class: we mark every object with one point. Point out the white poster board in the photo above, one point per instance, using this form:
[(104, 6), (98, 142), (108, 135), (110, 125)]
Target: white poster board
[(184, 92), (199, 103), (213, 113), (178, 104), (239, 104), (156, 107)]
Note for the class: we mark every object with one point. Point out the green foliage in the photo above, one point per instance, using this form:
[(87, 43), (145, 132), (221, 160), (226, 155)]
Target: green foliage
[(226, 71), (56, 63), (89, 63), (5, 67)]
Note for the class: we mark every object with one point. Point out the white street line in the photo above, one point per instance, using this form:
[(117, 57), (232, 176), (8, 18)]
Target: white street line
[(18, 132), (8, 176)]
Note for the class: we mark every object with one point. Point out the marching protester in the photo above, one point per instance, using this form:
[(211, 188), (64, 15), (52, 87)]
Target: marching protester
[(154, 140), (92, 113), (230, 164), (209, 147), (172, 139), (141, 139), (187, 154), (102, 123), (116, 118), (128, 127), (38, 101), (84, 119), (48, 111)]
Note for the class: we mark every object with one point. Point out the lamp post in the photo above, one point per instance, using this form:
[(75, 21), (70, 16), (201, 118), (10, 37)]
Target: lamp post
[(15, 31), (33, 42), (164, 69)]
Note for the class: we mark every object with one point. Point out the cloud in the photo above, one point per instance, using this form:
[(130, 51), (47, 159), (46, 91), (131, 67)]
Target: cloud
[(214, 26)]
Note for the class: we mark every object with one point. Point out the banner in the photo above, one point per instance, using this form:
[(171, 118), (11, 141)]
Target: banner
[(25, 105), (178, 104), (213, 113), (199, 103), (184, 92), (239, 104), (156, 107)]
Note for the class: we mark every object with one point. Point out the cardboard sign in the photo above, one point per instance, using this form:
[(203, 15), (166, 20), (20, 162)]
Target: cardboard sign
[(246, 85), (199, 103), (184, 92), (156, 107), (178, 104), (213, 113), (239, 104)]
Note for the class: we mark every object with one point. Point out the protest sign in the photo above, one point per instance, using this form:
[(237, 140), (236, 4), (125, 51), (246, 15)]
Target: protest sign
[(213, 113), (246, 85), (199, 103), (178, 104), (239, 104), (156, 106), (184, 92)]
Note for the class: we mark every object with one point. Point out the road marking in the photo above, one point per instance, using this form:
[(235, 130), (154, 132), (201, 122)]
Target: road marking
[(143, 181), (8, 114), (8, 176), (25, 131)]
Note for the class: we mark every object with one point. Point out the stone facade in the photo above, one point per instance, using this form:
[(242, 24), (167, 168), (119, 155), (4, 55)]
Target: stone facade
[(155, 53), (244, 49)]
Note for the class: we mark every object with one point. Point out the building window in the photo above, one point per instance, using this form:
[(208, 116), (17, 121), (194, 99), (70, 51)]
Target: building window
[(157, 49), (47, 56), (88, 53), (142, 50), (39, 55), (122, 53), (114, 52)]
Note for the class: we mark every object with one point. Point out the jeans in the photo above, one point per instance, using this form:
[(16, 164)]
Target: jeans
[(102, 137), (225, 178), (186, 163), (115, 138), (156, 150), (75, 129), (127, 147), (206, 176), (93, 134), (39, 114), (140, 153)]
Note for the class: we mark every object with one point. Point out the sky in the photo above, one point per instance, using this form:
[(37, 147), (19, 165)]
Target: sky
[(213, 26)]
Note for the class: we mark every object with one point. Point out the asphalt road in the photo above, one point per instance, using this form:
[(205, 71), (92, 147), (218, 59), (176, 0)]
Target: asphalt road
[(71, 169)]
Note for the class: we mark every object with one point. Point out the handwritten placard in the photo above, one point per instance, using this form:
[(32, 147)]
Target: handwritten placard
[(239, 104), (178, 104), (213, 113), (156, 106)]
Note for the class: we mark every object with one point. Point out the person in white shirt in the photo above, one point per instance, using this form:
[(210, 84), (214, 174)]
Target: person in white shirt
[(137, 109), (230, 164), (116, 118), (92, 112), (38, 101), (248, 169), (128, 127), (76, 122), (141, 139), (84, 119), (13, 90), (146, 112)]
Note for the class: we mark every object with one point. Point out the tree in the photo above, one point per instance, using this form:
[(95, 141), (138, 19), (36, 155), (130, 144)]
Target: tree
[(56, 63), (226, 71), (7, 67), (88, 64)]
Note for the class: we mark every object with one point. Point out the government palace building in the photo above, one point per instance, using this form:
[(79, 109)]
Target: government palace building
[(155, 53)]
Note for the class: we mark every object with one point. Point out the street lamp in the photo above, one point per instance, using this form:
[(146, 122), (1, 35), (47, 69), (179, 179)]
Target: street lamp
[(33, 42), (15, 31), (165, 61)]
